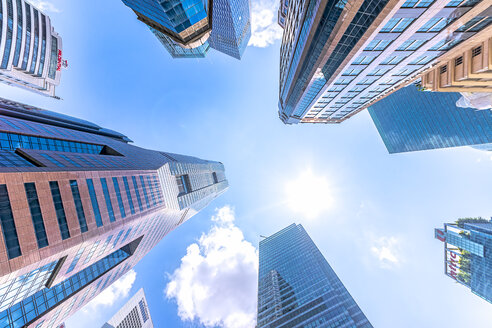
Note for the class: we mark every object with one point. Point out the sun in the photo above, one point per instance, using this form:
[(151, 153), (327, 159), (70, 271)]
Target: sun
[(309, 194)]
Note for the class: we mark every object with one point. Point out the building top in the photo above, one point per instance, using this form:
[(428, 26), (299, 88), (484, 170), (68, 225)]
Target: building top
[(135, 313)]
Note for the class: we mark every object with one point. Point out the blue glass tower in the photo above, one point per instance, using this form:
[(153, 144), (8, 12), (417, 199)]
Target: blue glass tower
[(189, 28), (298, 288), (411, 120), (467, 254)]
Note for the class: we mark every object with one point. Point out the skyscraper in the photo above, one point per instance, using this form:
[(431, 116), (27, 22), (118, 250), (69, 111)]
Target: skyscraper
[(467, 256), (134, 314), (339, 57), (411, 120), (298, 288), (80, 206), (188, 29), (30, 49)]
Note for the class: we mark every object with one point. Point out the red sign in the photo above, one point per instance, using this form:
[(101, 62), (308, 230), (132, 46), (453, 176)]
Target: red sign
[(59, 64), (439, 234), (453, 268)]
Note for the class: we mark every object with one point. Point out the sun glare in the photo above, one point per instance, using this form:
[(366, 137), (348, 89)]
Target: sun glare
[(309, 194)]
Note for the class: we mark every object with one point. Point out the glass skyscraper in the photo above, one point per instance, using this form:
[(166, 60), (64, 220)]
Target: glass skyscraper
[(298, 288), (30, 49), (340, 56), (188, 29), (411, 120), (467, 254), (80, 206), (134, 314)]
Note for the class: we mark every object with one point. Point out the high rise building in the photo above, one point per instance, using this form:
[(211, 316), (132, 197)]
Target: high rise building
[(411, 120), (188, 29), (134, 314), (339, 57), (80, 206), (30, 49), (467, 256), (298, 288)]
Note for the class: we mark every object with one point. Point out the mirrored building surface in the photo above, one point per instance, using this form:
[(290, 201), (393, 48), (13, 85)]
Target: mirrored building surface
[(298, 288), (80, 206), (412, 120)]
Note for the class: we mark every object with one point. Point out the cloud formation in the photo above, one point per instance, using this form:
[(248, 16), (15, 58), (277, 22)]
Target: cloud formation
[(264, 27), (45, 6), (217, 280), (387, 251), (119, 289)]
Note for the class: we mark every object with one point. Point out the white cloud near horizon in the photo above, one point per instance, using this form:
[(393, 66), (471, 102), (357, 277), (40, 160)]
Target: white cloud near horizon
[(387, 251), (264, 27), (217, 280), (119, 289), (45, 6)]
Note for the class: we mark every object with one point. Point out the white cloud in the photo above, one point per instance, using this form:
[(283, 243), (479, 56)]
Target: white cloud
[(118, 290), (387, 251), (44, 6), (217, 280), (264, 27)]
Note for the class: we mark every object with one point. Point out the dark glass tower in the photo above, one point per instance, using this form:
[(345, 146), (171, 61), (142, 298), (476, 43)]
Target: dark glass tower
[(411, 120), (467, 254), (298, 288), (189, 29), (79, 207)]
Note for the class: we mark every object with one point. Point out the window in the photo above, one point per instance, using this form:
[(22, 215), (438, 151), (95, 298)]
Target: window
[(476, 51), (128, 194), (214, 177), (59, 209), (36, 215), (431, 22), (444, 69), (390, 25), (454, 3), (353, 71), (78, 206), (10, 26), (151, 187), (422, 60), (75, 259), (424, 3), (135, 188), (118, 197), (378, 45), (458, 61), (8, 225), (411, 45), (393, 60), (95, 205), (403, 24), (52, 160), (107, 198), (142, 182), (379, 71), (363, 60), (184, 185), (70, 161), (409, 3)]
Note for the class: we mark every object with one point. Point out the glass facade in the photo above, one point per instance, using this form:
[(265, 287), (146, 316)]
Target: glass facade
[(298, 288), (472, 241), (36, 215), (412, 120)]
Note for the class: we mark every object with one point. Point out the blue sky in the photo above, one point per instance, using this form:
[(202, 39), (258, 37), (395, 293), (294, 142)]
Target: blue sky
[(375, 226)]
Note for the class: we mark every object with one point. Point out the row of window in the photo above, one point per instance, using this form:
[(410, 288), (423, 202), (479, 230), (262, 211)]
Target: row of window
[(7, 220)]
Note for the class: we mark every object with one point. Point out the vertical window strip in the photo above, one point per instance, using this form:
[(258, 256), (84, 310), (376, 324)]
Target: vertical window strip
[(78, 205), (36, 214), (83, 160), (158, 190), (52, 160), (36, 41), (19, 33), (106, 243), (28, 37), (95, 204), (117, 238), (10, 26), (9, 230), (75, 259), (118, 197), (70, 160), (135, 187), (151, 187), (107, 198), (59, 209), (92, 251), (142, 182), (128, 195), (126, 235)]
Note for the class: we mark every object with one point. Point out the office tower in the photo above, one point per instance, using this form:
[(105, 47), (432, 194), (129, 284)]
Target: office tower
[(339, 57), (134, 314), (80, 206), (467, 257), (188, 29), (30, 49), (298, 288), (411, 120)]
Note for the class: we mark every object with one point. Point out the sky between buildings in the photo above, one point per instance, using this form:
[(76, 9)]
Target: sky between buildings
[(371, 214)]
